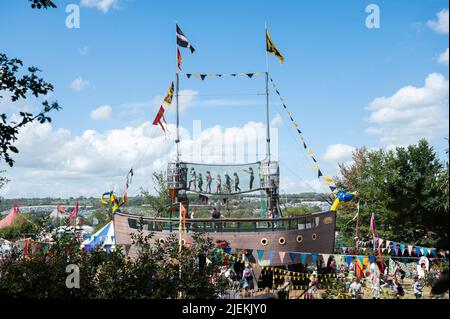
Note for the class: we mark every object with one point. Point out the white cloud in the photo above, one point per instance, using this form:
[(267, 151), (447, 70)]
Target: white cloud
[(276, 121), (441, 24), (443, 58), (338, 152), (411, 113), (291, 185), (79, 84), (59, 163), (101, 113), (102, 5)]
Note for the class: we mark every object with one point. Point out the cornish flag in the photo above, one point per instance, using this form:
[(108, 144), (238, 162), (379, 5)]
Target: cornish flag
[(182, 41)]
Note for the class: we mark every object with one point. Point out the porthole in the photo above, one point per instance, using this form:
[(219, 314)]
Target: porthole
[(264, 242), (299, 239), (314, 236), (162, 240), (282, 241)]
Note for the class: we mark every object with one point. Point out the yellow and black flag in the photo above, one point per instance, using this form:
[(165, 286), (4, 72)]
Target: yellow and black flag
[(169, 96), (271, 48)]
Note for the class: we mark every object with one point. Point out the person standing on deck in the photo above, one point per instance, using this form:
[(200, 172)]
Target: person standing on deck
[(193, 179), (208, 181), (227, 183), (219, 184), (252, 177), (200, 182), (236, 183), (269, 216)]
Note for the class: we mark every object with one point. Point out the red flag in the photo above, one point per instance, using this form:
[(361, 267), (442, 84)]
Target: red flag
[(372, 224), (179, 58), (74, 213), (159, 116)]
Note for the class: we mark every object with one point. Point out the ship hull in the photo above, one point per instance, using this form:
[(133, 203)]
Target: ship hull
[(313, 233)]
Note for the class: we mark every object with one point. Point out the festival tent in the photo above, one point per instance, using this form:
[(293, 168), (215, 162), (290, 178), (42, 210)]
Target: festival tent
[(86, 230), (105, 237), (11, 217), (57, 215)]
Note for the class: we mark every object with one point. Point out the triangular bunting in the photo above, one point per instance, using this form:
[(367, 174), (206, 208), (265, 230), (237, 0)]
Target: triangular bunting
[(410, 248), (270, 254), (325, 259), (260, 254), (282, 254), (302, 258), (348, 259), (418, 251), (293, 256)]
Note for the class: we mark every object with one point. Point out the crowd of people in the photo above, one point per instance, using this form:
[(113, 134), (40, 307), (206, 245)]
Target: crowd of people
[(378, 278), (196, 182), (376, 281)]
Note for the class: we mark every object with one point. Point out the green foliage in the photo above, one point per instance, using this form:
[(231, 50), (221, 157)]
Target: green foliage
[(25, 225), (402, 187), (19, 86), (337, 289), (159, 202), (3, 180), (300, 210), (160, 271)]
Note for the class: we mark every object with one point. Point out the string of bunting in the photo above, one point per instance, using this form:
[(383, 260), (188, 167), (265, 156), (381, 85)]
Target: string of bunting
[(396, 247), (220, 75), (328, 180), (265, 264)]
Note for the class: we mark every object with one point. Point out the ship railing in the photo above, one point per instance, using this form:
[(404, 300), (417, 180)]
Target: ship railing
[(227, 224)]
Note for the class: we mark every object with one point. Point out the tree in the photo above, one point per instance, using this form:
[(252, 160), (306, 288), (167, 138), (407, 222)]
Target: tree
[(160, 270), (160, 201), (18, 87), (401, 187), (3, 180)]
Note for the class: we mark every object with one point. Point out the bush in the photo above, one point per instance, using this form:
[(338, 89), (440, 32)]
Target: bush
[(160, 271)]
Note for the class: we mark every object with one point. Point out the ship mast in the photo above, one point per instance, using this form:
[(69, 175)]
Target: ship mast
[(177, 86), (267, 105), (177, 108)]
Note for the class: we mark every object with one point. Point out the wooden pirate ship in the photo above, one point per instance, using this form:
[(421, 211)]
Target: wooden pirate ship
[(271, 231)]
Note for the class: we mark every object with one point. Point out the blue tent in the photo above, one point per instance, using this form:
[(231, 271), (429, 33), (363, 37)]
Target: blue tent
[(104, 238)]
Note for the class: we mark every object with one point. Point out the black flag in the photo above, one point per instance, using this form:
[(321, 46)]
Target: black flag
[(182, 41)]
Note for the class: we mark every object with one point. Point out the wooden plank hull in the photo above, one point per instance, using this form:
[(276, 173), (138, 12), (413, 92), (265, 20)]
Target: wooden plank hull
[(318, 238)]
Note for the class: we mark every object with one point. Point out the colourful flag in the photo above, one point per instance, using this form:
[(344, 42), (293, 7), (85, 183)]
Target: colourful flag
[(372, 224), (179, 59), (159, 117), (271, 48), (169, 96), (182, 41), (74, 213)]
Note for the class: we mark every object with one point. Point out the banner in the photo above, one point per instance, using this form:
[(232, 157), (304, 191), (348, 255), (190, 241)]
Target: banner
[(220, 75)]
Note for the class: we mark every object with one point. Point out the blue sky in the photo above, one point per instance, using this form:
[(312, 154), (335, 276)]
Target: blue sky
[(335, 68)]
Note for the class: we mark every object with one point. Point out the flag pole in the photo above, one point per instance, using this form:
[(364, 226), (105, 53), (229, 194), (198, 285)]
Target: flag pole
[(267, 100), (177, 84)]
